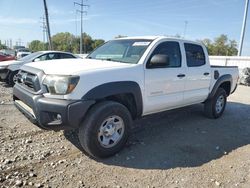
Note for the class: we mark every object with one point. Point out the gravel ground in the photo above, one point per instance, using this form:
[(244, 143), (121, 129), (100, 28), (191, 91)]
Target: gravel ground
[(178, 148)]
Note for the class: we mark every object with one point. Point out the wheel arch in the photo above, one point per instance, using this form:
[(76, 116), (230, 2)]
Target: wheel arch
[(127, 93), (224, 82)]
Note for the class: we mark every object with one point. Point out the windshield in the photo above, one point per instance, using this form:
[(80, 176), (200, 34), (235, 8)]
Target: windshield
[(124, 50), (30, 57)]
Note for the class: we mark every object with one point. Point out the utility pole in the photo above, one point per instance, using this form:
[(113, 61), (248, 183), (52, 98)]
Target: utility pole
[(47, 25), (82, 12), (20, 42), (76, 23), (11, 43), (44, 30), (185, 29), (243, 29)]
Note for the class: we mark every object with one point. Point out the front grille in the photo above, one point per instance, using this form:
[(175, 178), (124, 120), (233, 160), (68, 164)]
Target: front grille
[(28, 80)]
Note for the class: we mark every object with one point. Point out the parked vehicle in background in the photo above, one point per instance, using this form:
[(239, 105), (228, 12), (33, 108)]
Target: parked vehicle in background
[(122, 80), (21, 50), (9, 70), (6, 57), (22, 54), (8, 52), (17, 47)]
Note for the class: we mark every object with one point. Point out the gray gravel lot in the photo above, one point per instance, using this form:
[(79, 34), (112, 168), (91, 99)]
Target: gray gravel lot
[(178, 148)]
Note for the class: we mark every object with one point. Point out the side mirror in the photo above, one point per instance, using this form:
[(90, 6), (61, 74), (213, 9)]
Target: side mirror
[(159, 61), (36, 60)]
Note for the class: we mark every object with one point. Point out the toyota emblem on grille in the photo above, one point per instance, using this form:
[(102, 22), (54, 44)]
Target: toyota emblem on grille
[(23, 77)]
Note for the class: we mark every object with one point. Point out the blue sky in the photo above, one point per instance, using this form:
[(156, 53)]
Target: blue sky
[(109, 18)]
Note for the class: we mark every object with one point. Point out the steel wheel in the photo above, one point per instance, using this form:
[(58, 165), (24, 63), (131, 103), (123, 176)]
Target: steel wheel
[(111, 131), (220, 104)]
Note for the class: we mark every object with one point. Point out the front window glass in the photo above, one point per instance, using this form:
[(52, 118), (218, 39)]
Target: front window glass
[(172, 50), (124, 50)]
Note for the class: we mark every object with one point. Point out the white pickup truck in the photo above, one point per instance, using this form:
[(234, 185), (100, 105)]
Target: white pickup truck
[(122, 80)]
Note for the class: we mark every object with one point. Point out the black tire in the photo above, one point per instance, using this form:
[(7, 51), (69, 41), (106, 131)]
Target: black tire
[(89, 130), (210, 105), (11, 81)]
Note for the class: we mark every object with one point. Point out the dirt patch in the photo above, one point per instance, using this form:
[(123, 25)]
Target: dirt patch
[(178, 148)]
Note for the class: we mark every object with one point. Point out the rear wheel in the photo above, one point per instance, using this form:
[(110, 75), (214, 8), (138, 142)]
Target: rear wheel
[(215, 107), (12, 78), (105, 130)]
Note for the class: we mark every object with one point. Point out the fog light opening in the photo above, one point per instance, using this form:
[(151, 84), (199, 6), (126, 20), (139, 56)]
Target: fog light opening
[(58, 117)]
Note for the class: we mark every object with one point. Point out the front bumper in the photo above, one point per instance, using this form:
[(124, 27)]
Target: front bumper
[(4, 74), (50, 114)]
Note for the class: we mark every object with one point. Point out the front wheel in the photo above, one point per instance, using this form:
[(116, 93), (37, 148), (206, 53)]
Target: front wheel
[(215, 107), (12, 78), (105, 130)]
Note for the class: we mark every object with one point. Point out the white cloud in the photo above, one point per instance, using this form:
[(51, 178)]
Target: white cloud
[(12, 20), (54, 11), (71, 20)]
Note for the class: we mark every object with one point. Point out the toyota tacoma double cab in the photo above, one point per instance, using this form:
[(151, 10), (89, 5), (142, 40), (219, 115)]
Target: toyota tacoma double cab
[(120, 81)]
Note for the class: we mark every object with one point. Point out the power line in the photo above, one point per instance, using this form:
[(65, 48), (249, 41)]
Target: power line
[(243, 28), (82, 12)]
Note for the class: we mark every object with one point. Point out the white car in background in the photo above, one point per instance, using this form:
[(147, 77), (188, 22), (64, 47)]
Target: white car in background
[(9, 69), (22, 54)]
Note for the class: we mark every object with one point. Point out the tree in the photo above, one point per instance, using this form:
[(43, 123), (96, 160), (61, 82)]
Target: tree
[(233, 47), (2, 46), (221, 46), (87, 43), (63, 41), (96, 43), (36, 45)]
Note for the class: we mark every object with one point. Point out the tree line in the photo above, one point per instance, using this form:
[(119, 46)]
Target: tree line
[(221, 46), (65, 41)]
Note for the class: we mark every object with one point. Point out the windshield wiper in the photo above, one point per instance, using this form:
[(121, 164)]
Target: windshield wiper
[(109, 59)]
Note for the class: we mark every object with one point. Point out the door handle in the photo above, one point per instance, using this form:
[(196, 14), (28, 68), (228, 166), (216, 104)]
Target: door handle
[(206, 73), (181, 75)]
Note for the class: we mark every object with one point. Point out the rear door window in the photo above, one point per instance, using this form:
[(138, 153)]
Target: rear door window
[(195, 55), (66, 56)]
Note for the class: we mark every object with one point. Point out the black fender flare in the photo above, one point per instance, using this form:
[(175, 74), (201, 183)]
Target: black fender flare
[(221, 80), (115, 88)]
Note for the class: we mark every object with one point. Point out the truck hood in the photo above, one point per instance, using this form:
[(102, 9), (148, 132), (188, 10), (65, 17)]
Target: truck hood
[(74, 66)]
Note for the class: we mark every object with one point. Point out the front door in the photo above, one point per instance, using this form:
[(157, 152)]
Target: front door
[(164, 86)]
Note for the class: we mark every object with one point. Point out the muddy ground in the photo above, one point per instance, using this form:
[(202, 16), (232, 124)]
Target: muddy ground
[(178, 148)]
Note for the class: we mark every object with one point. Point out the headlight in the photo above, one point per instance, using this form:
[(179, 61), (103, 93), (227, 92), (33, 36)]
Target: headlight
[(60, 85)]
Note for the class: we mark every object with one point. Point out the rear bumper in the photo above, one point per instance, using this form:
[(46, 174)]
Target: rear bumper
[(50, 114)]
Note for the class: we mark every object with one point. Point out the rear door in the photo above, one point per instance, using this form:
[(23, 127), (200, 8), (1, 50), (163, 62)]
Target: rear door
[(198, 75), (164, 86)]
